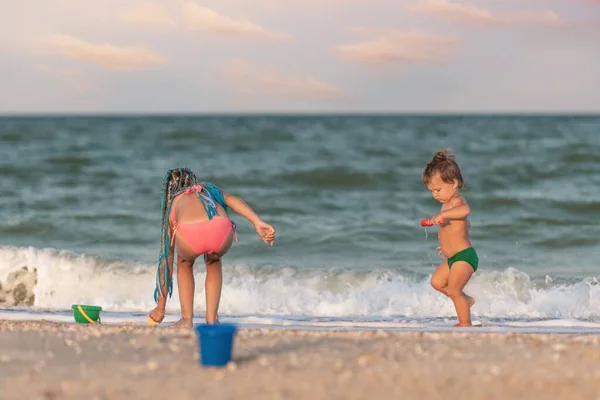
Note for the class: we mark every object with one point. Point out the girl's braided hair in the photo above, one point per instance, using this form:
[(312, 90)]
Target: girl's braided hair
[(175, 181)]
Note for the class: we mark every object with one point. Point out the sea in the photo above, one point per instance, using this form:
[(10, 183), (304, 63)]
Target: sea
[(81, 196)]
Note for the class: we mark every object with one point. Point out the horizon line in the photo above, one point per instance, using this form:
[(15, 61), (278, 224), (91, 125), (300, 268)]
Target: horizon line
[(290, 113)]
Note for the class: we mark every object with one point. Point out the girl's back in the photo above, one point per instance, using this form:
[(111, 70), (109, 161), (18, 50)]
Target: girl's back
[(189, 208)]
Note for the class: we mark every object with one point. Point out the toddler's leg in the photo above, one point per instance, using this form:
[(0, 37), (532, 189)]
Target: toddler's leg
[(459, 276), (439, 279), (212, 287), (186, 286)]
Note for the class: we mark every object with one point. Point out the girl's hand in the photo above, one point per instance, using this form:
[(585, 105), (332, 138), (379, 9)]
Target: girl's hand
[(266, 232), (439, 249), (156, 315)]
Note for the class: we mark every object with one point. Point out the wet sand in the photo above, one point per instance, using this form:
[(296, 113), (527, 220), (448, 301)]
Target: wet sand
[(44, 360)]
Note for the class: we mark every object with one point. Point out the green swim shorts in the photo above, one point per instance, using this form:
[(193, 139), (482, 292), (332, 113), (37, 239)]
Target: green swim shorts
[(468, 255)]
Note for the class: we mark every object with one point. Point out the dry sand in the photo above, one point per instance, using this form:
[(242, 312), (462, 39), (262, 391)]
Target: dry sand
[(42, 360)]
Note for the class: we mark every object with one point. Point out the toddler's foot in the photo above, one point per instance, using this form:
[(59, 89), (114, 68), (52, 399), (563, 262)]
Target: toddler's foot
[(470, 301)]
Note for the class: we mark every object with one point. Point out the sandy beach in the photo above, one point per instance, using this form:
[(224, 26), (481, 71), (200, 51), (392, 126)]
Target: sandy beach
[(44, 360)]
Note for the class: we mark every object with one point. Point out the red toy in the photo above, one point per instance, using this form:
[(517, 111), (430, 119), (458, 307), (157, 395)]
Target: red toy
[(428, 222)]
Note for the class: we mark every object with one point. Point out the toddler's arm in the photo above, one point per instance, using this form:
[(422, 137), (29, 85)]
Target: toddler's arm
[(459, 212)]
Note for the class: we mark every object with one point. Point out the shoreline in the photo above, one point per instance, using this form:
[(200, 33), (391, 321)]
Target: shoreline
[(49, 360), (113, 318)]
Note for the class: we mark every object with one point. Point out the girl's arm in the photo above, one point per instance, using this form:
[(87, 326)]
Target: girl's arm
[(239, 206), (264, 230)]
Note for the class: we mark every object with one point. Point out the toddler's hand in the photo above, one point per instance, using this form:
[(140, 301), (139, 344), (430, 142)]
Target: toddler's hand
[(438, 220), (266, 232)]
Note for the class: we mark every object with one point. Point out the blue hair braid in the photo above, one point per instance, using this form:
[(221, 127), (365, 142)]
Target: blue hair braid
[(174, 181)]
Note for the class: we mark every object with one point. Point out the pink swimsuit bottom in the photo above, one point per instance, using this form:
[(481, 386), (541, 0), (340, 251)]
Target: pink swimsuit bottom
[(203, 237)]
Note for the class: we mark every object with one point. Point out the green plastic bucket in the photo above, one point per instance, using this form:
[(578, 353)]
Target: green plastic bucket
[(86, 314)]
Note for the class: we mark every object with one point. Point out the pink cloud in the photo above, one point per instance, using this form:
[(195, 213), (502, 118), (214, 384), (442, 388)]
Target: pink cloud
[(394, 48), (462, 12), (104, 55), (254, 79), (339, 1), (151, 14), (208, 20)]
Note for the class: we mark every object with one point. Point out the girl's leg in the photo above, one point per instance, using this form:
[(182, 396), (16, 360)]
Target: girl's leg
[(459, 276), (186, 285), (214, 280), (212, 287)]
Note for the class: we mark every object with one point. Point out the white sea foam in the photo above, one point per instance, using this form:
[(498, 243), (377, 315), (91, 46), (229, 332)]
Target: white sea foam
[(292, 294)]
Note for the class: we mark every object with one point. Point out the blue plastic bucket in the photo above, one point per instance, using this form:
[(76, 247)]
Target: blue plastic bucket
[(215, 343)]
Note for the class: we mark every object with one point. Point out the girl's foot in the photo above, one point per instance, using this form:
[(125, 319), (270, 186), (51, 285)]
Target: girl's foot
[(462, 325), (184, 323), (156, 316)]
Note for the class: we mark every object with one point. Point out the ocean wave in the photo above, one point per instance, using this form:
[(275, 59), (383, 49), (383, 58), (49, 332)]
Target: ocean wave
[(54, 280)]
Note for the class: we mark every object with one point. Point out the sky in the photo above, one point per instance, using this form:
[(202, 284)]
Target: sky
[(299, 56)]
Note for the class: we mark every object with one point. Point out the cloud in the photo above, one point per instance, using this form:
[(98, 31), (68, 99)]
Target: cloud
[(104, 55), (394, 48), (250, 78), (461, 12), (338, 1), (149, 14), (207, 20)]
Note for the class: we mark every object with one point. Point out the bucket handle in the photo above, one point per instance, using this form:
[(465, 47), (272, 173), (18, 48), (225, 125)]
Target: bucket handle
[(91, 321)]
